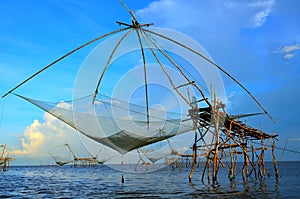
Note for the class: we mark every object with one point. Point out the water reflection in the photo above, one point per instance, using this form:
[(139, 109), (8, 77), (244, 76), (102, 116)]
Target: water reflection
[(250, 188), (103, 182)]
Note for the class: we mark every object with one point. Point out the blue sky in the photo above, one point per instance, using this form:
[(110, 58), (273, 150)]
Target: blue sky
[(258, 42)]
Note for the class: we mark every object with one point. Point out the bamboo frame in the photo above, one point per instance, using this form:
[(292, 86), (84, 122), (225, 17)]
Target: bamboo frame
[(229, 133), (4, 158), (234, 138)]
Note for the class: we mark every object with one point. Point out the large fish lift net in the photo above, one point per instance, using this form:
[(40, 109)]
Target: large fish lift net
[(61, 155), (120, 125)]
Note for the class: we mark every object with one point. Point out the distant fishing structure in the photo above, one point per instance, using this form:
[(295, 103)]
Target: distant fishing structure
[(4, 158), (64, 154), (218, 137)]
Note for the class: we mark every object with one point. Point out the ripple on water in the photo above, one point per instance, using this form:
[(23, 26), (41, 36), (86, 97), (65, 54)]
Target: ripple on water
[(103, 182)]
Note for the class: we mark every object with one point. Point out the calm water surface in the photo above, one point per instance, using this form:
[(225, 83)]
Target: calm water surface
[(104, 182)]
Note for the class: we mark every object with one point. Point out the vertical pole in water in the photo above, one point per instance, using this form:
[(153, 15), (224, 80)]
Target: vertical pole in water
[(194, 161), (4, 166), (245, 167), (194, 113), (231, 172), (228, 139), (216, 118), (195, 117), (235, 162), (208, 170), (253, 156), (274, 160), (261, 160), (202, 178), (122, 179)]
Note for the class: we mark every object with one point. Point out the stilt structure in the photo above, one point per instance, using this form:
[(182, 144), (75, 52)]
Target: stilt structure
[(4, 159), (77, 161), (82, 162), (231, 138)]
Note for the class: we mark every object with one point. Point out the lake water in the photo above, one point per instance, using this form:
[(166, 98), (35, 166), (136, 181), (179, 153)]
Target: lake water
[(104, 182)]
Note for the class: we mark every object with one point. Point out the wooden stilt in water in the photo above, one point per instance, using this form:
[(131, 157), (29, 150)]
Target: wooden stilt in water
[(234, 163), (245, 166), (274, 160), (231, 173), (122, 179), (205, 167), (230, 135), (4, 166), (208, 171), (194, 161), (215, 163)]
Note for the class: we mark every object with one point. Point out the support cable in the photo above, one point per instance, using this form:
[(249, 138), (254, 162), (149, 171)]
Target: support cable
[(108, 62), (164, 70), (176, 65), (216, 65), (145, 74)]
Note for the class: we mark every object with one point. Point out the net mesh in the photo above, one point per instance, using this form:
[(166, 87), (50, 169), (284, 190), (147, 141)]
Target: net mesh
[(61, 155), (117, 124)]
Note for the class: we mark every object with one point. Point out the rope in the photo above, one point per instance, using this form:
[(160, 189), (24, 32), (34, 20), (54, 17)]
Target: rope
[(216, 65), (163, 69), (108, 62), (177, 66), (145, 75)]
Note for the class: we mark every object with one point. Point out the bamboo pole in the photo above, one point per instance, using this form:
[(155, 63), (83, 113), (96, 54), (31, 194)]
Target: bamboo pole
[(274, 160), (231, 172), (63, 57), (245, 166), (108, 63), (216, 65), (215, 160), (194, 161), (208, 171)]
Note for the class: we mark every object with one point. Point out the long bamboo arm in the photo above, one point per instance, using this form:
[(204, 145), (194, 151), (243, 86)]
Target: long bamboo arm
[(216, 65), (145, 74), (108, 62), (62, 57)]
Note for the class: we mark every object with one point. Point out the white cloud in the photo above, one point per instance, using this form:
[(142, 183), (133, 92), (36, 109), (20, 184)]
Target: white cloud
[(291, 48), (288, 51), (255, 13), (32, 139), (231, 13), (38, 138), (288, 56), (262, 10)]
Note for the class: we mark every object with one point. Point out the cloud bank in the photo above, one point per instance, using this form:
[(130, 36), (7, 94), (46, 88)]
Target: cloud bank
[(175, 13), (42, 136)]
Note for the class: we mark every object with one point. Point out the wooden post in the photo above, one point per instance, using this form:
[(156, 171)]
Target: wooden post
[(205, 166), (215, 160), (245, 166), (230, 175), (274, 160), (194, 161)]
